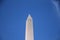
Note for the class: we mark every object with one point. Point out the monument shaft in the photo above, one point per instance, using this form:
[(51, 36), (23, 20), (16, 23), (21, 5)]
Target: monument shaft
[(29, 35)]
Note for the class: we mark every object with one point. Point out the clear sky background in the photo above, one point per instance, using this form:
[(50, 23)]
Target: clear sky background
[(13, 15)]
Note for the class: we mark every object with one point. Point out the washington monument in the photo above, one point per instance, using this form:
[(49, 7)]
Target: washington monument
[(29, 34)]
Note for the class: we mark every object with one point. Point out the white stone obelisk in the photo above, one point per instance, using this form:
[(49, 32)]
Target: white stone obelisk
[(29, 34)]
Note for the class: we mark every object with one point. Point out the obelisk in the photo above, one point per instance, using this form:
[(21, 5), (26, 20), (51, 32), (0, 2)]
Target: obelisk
[(29, 34)]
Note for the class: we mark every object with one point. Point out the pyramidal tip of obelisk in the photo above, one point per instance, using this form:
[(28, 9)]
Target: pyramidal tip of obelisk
[(29, 16)]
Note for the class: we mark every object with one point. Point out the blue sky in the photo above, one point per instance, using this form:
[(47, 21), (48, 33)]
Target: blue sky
[(13, 15)]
